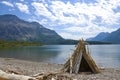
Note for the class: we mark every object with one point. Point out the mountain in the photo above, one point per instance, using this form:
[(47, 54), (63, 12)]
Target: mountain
[(99, 37), (113, 37), (13, 28)]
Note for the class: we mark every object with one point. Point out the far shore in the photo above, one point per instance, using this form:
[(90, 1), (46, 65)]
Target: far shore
[(29, 68)]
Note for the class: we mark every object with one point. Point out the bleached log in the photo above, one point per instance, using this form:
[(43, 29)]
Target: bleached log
[(8, 76), (78, 63)]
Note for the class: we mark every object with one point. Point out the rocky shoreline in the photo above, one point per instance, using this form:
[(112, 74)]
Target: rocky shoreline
[(34, 69)]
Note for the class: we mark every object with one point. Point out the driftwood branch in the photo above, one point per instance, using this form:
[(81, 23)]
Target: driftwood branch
[(6, 76)]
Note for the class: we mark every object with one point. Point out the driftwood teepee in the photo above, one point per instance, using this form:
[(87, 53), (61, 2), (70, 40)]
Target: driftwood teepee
[(80, 61)]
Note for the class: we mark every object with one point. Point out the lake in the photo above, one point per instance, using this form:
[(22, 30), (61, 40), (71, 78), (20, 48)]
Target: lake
[(104, 55)]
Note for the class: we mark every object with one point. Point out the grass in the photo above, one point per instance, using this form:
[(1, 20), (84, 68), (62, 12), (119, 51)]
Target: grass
[(12, 44)]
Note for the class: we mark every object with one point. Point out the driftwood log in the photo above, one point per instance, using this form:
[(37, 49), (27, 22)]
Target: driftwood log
[(47, 76), (7, 76)]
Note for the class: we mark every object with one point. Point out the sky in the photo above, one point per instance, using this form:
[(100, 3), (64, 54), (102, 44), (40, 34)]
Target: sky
[(72, 19)]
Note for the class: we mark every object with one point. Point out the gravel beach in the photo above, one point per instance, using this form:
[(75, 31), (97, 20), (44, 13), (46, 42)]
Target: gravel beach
[(29, 68)]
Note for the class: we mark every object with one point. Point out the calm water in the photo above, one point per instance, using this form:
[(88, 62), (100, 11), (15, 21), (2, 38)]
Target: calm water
[(104, 55)]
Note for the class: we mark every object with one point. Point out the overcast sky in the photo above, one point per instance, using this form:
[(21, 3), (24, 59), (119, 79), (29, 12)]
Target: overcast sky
[(72, 19)]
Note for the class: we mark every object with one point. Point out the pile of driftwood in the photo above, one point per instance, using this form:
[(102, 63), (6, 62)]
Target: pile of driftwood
[(47, 76), (80, 61)]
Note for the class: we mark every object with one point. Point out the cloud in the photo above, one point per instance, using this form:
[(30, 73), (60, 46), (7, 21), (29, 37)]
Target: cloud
[(85, 32), (41, 10), (23, 7), (69, 35), (77, 13), (89, 29), (7, 3), (85, 19), (88, 13), (66, 13)]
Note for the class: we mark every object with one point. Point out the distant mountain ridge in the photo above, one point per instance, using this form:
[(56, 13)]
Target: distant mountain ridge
[(113, 37), (99, 37), (15, 29)]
